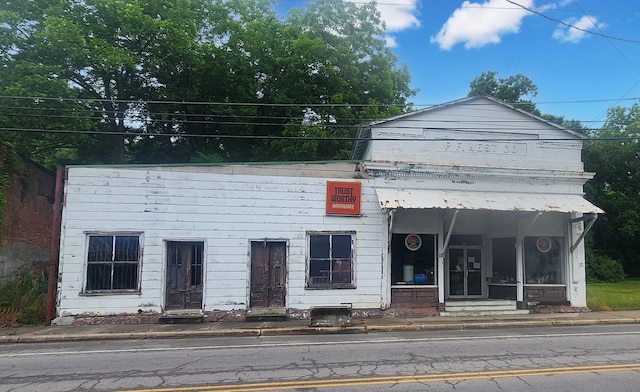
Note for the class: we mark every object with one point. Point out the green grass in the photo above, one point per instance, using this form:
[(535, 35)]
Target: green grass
[(623, 295)]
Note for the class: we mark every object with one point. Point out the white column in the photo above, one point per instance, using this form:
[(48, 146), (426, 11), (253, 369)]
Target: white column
[(576, 273), (441, 254), (385, 259)]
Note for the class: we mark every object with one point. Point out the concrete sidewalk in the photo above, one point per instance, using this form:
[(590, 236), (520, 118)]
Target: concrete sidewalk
[(293, 327)]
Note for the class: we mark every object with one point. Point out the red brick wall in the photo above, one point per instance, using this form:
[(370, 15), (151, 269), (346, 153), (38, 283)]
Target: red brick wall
[(28, 212)]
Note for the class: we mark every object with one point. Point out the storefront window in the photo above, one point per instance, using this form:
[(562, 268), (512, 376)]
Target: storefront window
[(543, 260), (504, 260), (413, 259)]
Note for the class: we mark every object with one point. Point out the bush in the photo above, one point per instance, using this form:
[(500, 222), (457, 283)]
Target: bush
[(601, 268), (25, 294)]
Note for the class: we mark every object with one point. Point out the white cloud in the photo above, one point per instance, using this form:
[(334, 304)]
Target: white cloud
[(568, 34), (391, 41), (479, 24), (399, 14)]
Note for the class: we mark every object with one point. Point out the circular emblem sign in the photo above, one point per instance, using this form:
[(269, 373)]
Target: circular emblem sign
[(413, 242), (543, 244)]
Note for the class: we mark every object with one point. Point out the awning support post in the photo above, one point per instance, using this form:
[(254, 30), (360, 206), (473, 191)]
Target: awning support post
[(520, 262), (585, 231), (446, 241)]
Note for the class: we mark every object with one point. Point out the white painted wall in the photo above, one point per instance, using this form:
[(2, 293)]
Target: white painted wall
[(224, 210), (477, 133)]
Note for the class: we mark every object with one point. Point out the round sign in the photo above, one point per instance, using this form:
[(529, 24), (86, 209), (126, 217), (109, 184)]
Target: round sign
[(543, 244), (413, 242)]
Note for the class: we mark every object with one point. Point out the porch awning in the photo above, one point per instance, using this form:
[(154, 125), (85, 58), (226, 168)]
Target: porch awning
[(488, 201)]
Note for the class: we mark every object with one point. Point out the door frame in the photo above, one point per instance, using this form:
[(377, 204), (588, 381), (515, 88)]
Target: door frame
[(201, 245), (272, 275), (483, 269)]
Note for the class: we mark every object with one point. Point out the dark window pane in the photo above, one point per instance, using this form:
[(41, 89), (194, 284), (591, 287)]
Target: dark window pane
[(319, 246), (341, 247), (125, 276), (319, 267), (99, 276), (543, 260), (127, 248), (196, 264), (341, 272), (100, 248)]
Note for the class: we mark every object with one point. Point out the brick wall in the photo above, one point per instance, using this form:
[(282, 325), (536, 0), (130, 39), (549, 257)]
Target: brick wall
[(28, 212)]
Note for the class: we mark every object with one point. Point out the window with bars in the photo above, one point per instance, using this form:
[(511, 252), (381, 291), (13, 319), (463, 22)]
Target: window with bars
[(330, 261), (113, 263)]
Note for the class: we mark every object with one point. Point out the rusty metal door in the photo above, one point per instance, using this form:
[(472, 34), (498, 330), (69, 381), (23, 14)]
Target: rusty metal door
[(184, 275), (268, 274)]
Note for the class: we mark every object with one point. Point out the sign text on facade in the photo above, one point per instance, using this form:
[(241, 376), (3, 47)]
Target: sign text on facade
[(343, 198)]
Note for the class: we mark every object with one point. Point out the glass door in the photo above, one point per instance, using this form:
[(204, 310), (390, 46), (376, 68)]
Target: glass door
[(465, 271)]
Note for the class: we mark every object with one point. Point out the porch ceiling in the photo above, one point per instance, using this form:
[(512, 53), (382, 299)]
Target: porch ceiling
[(489, 201)]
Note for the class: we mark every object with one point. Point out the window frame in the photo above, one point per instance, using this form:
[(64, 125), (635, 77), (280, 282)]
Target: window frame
[(112, 263), (311, 282), (550, 264)]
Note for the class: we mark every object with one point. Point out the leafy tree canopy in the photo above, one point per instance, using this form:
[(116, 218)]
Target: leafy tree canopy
[(191, 80), (615, 158)]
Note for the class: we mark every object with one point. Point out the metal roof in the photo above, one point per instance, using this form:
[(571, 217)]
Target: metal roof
[(489, 201)]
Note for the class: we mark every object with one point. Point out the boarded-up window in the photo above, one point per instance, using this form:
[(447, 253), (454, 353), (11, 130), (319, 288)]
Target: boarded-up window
[(330, 260), (113, 263)]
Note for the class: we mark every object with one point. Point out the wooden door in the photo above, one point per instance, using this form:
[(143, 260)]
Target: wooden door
[(268, 274), (184, 275)]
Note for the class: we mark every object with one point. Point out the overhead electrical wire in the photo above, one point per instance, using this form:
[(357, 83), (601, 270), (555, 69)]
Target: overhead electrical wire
[(573, 26)]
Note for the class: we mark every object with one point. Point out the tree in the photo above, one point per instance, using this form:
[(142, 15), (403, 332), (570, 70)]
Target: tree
[(614, 157), (516, 90), (101, 53), (181, 80), (335, 69)]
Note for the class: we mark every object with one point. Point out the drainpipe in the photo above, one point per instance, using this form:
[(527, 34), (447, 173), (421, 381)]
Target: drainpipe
[(55, 243)]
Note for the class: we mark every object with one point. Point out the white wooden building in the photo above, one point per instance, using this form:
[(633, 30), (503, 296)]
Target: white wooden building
[(472, 199)]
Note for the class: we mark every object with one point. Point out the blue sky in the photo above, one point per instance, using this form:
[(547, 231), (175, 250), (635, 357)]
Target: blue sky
[(579, 74)]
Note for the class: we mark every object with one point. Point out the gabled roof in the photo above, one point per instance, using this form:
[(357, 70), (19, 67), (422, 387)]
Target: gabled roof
[(364, 133)]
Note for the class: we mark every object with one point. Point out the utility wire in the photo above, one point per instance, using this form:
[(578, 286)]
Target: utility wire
[(625, 58), (572, 26), (298, 104), (134, 134)]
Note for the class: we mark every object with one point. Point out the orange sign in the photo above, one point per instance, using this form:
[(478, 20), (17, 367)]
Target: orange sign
[(343, 198)]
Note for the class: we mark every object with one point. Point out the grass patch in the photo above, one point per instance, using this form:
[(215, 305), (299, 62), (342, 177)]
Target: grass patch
[(23, 299), (623, 295)]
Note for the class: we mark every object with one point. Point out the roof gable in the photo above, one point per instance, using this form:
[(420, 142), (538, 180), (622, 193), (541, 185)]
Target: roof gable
[(474, 115)]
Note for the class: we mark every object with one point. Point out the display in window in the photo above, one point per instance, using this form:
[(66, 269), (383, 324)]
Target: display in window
[(413, 242), (413, 259), (543, 259)]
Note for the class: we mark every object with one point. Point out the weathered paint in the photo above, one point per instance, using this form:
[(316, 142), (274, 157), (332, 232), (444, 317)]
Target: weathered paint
[(226, 212)]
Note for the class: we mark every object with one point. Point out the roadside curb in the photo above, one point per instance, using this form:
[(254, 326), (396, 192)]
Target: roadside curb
[(307, 330)]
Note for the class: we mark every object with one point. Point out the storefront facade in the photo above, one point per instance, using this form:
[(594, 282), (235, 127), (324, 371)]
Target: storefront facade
[(483, 201), (471, 200)]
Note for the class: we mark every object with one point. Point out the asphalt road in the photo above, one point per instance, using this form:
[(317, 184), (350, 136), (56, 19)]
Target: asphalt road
[(593, 358)]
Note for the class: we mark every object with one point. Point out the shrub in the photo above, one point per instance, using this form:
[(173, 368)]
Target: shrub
[(602, 268), (26, 293)]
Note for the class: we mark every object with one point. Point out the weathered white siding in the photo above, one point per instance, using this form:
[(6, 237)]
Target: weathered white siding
[(477, 133), (226, 211)]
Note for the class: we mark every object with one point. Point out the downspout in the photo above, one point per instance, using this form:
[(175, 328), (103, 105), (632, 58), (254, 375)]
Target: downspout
[(55, 244)]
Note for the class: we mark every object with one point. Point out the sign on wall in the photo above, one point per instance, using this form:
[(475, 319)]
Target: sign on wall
[(343, 198)]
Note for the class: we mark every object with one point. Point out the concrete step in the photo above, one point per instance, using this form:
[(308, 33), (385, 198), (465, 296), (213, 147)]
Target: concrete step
[(267, 314), (182, 316), (481, 308), (472, 313)]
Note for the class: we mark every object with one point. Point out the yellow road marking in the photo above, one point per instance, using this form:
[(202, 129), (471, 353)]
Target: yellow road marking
[(350, 382)]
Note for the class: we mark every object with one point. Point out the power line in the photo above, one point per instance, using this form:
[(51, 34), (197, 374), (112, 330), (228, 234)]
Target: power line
[(572, 26), (318, 138), (296, 104)]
